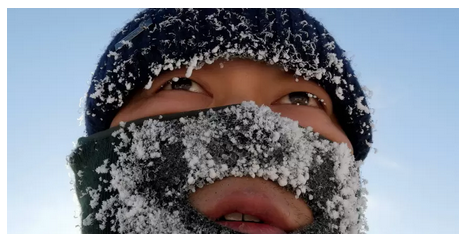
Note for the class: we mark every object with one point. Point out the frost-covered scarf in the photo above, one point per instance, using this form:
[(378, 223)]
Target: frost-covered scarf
[(136, 178)]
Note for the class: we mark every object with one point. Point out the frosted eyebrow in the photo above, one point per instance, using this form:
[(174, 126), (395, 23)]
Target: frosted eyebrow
[(142, 26)]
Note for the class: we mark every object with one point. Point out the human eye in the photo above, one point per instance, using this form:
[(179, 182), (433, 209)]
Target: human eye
[(301, 98), (185, 84)]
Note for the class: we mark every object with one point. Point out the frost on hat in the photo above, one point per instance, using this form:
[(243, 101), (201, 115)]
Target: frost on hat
[(159, 40)]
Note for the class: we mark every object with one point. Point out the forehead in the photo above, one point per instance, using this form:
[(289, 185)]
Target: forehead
[(231, 67), (244, 65), (246, 73)]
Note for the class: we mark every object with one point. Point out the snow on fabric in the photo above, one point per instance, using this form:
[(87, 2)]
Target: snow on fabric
[(154, 165)]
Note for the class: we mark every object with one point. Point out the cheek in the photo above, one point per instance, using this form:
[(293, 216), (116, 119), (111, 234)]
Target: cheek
[(160, 104), (315, 118)]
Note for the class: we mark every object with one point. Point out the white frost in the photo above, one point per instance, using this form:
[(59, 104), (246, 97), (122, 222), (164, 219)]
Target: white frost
[(360, 106), (148, 86), (339, 93)]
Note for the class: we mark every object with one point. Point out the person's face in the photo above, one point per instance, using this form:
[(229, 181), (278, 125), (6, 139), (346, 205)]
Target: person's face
[(233, 82)]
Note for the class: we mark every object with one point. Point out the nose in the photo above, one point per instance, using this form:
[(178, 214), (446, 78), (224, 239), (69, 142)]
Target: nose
[(236, 92)]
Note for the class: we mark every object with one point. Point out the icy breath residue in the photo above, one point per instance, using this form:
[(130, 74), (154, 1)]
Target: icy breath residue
[(269, 146)]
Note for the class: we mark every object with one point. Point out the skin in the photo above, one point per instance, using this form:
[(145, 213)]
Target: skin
[(238, 81)]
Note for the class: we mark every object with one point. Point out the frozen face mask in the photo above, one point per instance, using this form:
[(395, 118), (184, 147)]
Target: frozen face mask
[(137, 177)]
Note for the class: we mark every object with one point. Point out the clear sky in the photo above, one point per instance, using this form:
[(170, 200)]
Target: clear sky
[(407, 57)]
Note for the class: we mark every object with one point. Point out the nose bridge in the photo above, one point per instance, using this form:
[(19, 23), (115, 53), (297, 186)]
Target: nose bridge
[(237, 90)]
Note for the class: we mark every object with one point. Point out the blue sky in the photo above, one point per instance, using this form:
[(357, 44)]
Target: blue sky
[(407, 57)]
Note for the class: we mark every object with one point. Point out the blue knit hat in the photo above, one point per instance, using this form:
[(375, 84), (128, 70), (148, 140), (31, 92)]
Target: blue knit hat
[(158, 40)]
